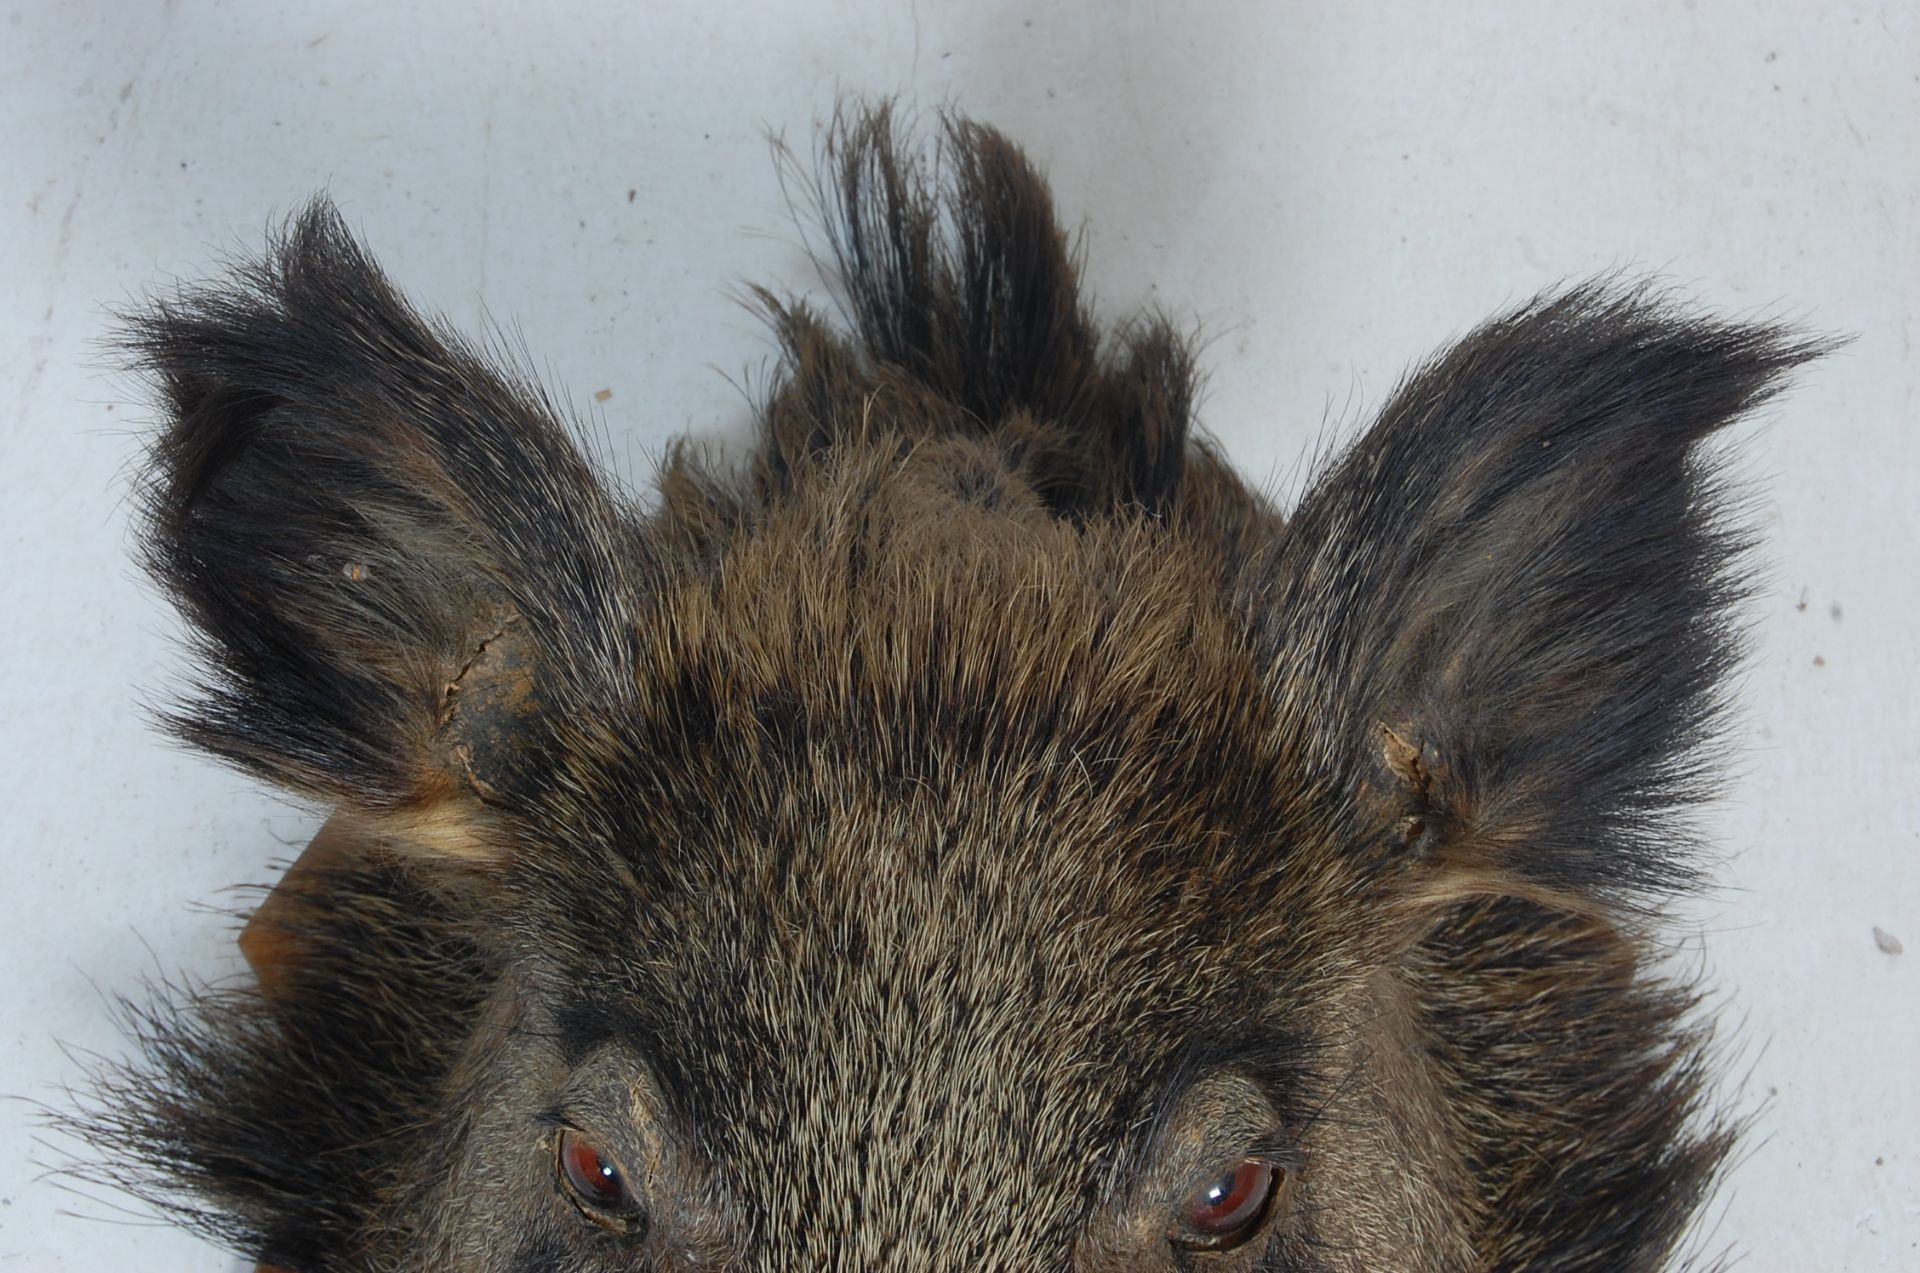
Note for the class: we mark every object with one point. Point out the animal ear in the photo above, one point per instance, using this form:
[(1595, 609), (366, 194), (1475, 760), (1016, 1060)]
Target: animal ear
[(395, 563), (1503, 616)]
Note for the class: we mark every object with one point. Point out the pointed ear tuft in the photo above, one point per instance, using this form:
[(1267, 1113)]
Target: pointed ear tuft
[(1509, 603), (351, 508)]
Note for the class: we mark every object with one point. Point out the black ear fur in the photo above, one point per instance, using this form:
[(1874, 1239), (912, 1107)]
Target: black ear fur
[(1510, 600), (348, 504)]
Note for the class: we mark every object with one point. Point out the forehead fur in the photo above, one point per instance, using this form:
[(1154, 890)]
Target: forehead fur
[(906, 760), (920, 639), (927, 819)]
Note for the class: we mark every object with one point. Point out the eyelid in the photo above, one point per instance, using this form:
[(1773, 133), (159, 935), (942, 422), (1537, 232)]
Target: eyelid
[(1277, 1150), (555, 1120), (565, 1118)]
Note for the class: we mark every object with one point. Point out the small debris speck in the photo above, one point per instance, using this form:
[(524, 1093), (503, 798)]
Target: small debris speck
[(601, 395), (630, 195), (354, 570), (1837, 613), (1886, 941), (1802, 603), (1819, 661)]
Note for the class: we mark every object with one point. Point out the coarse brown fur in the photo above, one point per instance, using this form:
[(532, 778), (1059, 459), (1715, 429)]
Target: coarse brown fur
[(947, 839)]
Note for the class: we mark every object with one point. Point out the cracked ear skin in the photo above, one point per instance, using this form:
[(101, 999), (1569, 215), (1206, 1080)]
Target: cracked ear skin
[(1508, 607), (395, 563)]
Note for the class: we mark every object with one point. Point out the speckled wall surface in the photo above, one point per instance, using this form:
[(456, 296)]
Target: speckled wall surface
[(1329, 191)]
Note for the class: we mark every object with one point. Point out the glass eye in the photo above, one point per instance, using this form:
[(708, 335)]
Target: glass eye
[(596, 1182), (1228, 1211)]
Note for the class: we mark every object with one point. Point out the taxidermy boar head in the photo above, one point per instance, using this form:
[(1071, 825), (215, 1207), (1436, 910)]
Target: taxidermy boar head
[(977, 832)]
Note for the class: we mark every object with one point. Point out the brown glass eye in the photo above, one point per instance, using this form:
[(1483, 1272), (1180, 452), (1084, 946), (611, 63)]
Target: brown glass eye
[(596, 1181), (1229, 1210)]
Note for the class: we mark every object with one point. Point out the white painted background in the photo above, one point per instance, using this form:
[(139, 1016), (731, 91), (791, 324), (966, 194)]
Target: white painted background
[(1331, 190)]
